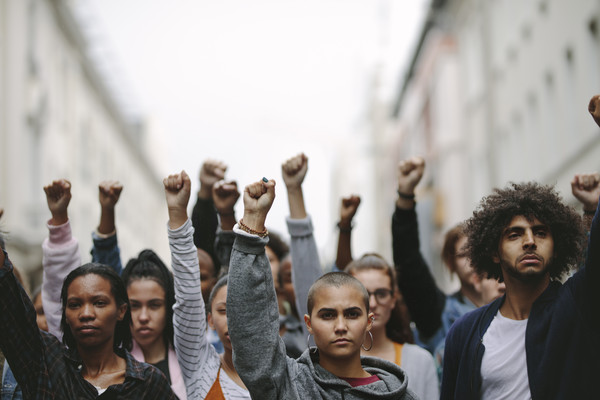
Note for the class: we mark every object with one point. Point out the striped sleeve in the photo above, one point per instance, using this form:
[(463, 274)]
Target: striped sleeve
[(197, 358)]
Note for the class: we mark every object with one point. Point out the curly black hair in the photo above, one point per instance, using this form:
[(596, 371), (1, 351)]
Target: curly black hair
[(484, 229)]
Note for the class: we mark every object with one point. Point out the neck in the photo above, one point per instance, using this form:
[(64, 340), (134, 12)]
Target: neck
[(520, 296), (155, 352), (472, 294), (349, 367), (380, 340), (98, 360), (227, 360)]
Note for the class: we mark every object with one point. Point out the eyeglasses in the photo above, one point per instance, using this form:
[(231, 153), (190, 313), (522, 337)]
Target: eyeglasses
[(382, 296)]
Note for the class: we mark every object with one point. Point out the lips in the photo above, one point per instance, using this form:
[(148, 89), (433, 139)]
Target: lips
[(144, 331), (87, 329), (341, 341), (530, 258)]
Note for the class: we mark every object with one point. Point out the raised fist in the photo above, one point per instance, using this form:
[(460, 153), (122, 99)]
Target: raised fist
[(594, 108), (258, 198), (294, 171), (410, 172), (211, 172), (58, 196), (586, 189), (177, 193), (348, 210), (225, 194), (108, 193)]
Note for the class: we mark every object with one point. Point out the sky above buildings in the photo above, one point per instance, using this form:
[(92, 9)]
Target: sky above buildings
[(254, 83)]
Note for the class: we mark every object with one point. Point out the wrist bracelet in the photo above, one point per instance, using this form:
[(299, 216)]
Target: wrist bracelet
[(406, 196), (246, 228), (589, 212), (344, 229)]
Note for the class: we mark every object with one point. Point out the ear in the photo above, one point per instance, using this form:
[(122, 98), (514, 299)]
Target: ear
[(308, 323), (210, 321), (370, 318), (121, 310), (496, 258)]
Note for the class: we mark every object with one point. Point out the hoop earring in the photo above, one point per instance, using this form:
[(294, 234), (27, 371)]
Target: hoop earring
[(313, 350), (371, 346)]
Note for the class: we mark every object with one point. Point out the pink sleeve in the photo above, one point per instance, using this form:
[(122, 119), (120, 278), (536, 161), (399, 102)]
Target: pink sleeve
[(60, 256)]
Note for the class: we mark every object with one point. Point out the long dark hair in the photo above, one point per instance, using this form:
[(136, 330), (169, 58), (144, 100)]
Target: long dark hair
[(122, 334), (148, 265), (398, 326)]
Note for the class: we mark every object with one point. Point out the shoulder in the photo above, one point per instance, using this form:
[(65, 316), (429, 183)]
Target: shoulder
[(415, 352)]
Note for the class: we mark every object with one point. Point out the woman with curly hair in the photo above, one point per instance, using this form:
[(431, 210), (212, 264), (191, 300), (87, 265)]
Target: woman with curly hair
[(540, 339)]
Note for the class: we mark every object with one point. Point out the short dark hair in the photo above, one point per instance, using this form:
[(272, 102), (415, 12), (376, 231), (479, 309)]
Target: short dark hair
[(148, 265), (449, 249), (335, 279), (398, 326), (220, 283), (122, 334), (531, 200)]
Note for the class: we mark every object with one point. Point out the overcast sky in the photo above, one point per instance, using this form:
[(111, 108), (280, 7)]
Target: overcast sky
[(255, 82)]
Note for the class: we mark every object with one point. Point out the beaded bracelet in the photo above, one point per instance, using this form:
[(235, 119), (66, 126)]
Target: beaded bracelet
[(251, 231)]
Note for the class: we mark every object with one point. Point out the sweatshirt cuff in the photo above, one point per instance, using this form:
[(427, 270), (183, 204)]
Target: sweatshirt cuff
[(182, 231), (299, 227), (248, 243), (59, 234)]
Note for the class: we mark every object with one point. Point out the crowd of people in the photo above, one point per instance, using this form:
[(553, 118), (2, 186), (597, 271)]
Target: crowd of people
[(242, 314)]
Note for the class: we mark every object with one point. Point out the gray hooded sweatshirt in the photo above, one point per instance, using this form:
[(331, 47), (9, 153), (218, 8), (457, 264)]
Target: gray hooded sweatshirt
[(259, 353)]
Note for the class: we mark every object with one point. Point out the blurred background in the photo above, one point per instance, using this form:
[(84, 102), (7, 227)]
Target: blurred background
[(487, 91)]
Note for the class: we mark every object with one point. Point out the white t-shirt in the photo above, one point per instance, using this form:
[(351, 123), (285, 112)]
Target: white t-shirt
[(504, 363)]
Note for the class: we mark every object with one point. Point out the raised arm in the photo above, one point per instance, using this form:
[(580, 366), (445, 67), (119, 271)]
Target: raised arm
[(60, 252), (306, 267), (204, 216), (106, 249), (586, 189), (189, 318), (424, 300), (225, 195), (259, 353), (344, 250)]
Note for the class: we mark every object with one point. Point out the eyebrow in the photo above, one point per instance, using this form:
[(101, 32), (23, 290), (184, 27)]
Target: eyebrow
[(519, 228), (345, 310)]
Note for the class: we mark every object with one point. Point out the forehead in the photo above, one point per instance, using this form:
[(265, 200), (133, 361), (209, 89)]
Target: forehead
[(89, 285), (338, 298), (520, 221), (145, 289), (221, 295), (373, 278)]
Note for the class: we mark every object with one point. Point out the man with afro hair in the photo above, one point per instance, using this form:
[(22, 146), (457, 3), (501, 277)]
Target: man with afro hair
[(541, 339)]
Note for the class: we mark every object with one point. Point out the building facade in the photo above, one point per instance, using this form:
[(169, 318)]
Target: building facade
[(496, 92), (59, 120)]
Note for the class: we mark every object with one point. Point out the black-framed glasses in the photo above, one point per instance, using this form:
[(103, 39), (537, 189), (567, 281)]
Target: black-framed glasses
[(382, 296)]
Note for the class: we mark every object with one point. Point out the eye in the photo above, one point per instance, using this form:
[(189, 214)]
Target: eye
[(100, 303), (541, 233), (72, 305), (353, 314), (222, 311), (135, 306), (513, 235), (155, 306), (327, 315)]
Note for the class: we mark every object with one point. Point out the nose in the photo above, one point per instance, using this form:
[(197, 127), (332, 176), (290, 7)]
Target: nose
[(143, 315), (87, 312), (340, 324), (529, 240), (372, 301)]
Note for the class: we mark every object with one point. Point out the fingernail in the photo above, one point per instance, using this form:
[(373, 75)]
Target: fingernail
[(265, 179)]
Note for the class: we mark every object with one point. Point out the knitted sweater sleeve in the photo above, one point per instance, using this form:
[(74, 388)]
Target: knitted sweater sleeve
[(259, 353)]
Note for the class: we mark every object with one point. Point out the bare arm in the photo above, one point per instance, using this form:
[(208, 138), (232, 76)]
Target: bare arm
[(344, 250)]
